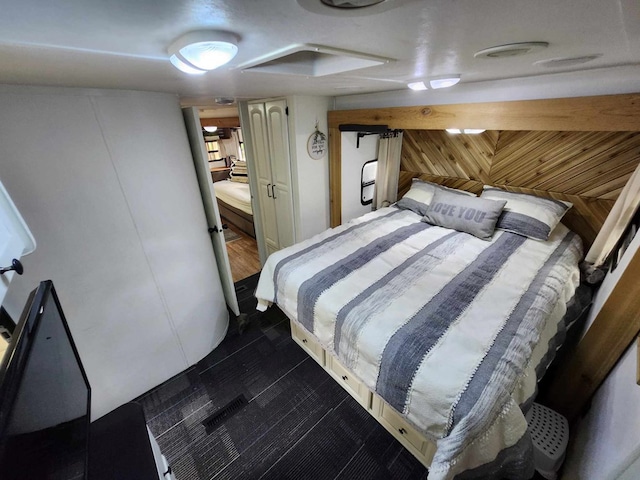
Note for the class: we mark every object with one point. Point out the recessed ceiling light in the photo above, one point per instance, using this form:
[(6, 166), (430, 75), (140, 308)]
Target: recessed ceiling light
[(444, 82), (566, 61), (417, 86), (467, 131), (511, 50), (203, 50)]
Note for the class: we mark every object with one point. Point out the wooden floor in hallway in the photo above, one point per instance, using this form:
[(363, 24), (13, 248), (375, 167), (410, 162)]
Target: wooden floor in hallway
[(243, 253)]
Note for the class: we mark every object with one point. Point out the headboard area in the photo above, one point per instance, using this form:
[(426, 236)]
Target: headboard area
[(588, 169), (582, 150)]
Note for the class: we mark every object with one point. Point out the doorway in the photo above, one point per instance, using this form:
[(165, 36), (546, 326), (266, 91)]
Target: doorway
[(227, 163)]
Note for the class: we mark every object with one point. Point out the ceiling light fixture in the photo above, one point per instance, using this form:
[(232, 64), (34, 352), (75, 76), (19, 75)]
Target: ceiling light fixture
[(350, 3), (510, 50), (417, 86), (466, 131), (203, 50), (444, 82), (210, 128)]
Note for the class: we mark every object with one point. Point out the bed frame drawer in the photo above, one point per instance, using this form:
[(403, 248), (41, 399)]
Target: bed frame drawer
[(351, 384), (413, 440), (308, 344)]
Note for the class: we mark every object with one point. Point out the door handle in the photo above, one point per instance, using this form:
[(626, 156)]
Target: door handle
[(273, 191), (215, 228), (268, 194), (15, 265)]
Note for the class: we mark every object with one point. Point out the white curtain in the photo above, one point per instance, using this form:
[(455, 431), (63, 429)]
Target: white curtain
[(389, 149), (617, 221)]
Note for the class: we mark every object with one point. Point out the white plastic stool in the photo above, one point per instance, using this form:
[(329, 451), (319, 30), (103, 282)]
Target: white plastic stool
[(550, 434)]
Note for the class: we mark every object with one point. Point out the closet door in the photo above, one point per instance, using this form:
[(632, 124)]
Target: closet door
[(278, 133), (258, 123)]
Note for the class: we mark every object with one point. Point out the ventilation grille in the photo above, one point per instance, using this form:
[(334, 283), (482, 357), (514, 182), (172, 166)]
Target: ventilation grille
[(550, 434), (214, 420)]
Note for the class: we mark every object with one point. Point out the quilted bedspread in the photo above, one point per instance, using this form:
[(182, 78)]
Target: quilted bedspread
[(447, 328)]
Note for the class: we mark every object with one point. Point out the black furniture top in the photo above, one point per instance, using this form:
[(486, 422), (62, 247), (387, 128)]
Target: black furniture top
[(120, 448)]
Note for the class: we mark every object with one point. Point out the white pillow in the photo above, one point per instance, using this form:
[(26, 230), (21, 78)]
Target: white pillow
[(527, 215), (419, 196)]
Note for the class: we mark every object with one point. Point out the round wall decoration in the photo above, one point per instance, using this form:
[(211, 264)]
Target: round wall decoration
[(317, 145)]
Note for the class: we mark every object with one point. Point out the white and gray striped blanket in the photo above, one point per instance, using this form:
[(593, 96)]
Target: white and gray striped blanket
[(447, 328)]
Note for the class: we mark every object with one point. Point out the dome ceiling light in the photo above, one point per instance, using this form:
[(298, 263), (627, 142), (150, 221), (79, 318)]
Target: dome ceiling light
[(435, 83), (510, 50), (444, 82), (203, 50)]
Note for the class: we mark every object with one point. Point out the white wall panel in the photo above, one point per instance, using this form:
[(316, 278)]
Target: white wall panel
[(106, 183)]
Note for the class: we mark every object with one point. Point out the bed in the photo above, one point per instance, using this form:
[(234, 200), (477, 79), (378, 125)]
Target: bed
[(435, 327), (234, 201)]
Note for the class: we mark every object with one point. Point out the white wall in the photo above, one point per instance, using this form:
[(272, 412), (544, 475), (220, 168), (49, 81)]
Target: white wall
[(607, 439), (353, 159), (602, 81), (106, 183), (311, 197)]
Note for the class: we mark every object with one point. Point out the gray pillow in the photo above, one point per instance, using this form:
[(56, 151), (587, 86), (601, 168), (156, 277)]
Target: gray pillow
[(473, 215), (528, 215), (419, 196)]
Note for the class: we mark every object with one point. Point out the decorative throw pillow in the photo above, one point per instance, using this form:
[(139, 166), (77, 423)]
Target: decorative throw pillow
[(472, 215), (527, 215), (419, 196)]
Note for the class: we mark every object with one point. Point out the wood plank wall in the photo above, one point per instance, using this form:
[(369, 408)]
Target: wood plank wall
[(588, 169)]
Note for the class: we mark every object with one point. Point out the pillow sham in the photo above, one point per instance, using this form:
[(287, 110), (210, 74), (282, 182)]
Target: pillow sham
[(528, 215), (472, 215), (419, 196)]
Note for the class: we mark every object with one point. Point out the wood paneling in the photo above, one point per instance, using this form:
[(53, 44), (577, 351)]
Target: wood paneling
[(591, 164), (439, 153), (335, 177), (224, 122), (606, 113), (588, 169)]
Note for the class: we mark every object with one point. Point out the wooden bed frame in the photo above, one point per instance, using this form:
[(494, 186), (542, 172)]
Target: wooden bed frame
[(618, 322)]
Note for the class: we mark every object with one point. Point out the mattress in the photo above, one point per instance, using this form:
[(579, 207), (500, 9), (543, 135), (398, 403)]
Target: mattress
[(448, 329), (235, 194)]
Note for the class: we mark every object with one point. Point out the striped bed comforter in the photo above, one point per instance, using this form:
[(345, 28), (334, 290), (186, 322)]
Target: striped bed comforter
[(447, 328)]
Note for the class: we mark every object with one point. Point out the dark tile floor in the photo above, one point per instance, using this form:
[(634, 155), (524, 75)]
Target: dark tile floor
[(298, 422)]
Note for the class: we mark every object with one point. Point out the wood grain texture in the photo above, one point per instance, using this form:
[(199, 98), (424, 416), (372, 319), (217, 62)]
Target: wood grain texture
[(439, 153), (224, 122), (613, 113), (588, 169), (335, 177), (243, 255)]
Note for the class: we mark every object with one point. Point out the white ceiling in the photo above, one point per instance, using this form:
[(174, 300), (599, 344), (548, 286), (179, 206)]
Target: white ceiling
[(122, 43)]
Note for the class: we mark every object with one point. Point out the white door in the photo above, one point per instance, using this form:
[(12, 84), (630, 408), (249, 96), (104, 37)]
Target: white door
[(199, 152), (15, 239), (280, 170), (266, 189)]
